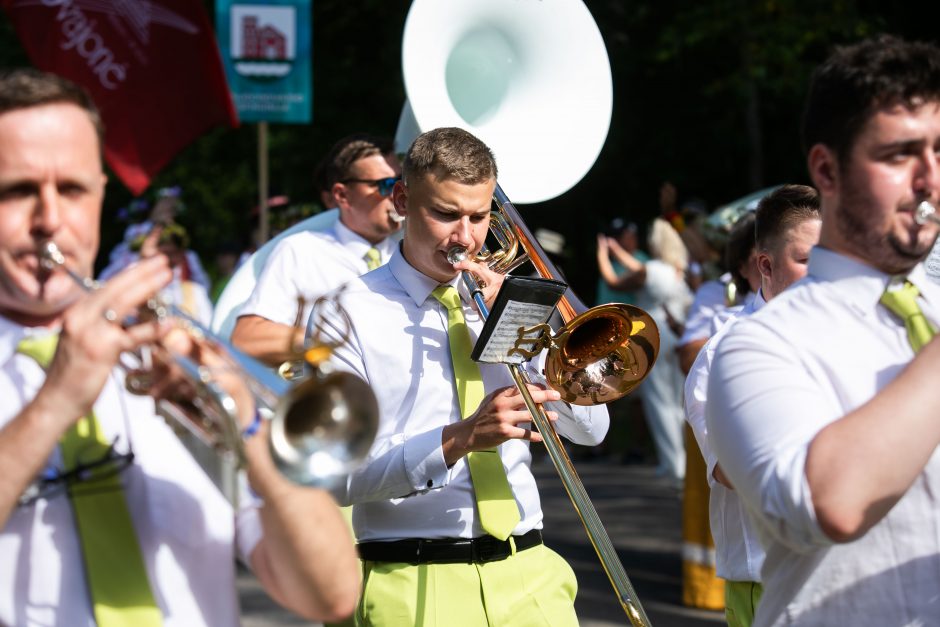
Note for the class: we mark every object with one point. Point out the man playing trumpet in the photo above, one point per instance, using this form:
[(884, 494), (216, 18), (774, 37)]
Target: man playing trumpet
[(104, 518), (447, 512), (822, 406)]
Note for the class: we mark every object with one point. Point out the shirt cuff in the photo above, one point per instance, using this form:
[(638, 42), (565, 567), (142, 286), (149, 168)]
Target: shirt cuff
[(248, 531), (424, 461)]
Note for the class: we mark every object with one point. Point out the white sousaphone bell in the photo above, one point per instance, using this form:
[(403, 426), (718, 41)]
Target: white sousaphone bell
[(530, 78)]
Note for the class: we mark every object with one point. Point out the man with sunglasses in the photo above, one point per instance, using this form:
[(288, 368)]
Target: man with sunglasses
[(357, 177), (105, 518)]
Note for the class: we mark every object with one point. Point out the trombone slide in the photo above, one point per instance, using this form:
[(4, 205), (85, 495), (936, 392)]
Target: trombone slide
[(583, 506)]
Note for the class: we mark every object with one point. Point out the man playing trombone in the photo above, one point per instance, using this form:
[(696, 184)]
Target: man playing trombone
[(447, 512), (104, 517)]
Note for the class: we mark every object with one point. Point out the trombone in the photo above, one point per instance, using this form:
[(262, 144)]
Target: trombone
[(599, 355), (321, 428)]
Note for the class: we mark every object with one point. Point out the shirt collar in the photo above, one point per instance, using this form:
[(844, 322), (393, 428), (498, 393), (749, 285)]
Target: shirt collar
[(861, 284), (417, 284), (757, 302), (12, 333), (358, 245)]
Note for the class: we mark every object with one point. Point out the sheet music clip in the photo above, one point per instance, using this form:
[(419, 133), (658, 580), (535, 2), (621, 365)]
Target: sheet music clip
[(517, 321)]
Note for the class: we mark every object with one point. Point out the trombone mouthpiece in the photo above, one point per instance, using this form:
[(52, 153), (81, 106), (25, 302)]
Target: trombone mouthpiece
[(50, 256), (456, 254)]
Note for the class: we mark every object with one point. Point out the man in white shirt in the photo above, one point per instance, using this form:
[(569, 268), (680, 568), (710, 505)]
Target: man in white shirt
[(359, 173), (786, 228), (821, 410), (427, 558), (54, 408)]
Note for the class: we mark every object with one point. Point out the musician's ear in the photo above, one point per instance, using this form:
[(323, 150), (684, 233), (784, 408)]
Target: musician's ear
[(823, 165), (340, 195), (400, 198)]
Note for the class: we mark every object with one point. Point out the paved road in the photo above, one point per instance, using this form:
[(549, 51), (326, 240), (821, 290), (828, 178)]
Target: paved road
[(642, 517)]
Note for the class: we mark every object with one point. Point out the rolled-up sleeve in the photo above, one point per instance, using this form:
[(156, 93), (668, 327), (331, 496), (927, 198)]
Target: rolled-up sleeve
[(765, 406)]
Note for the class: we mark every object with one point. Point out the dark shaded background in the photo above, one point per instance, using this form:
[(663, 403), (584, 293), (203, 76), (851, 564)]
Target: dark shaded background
[(706, 94)]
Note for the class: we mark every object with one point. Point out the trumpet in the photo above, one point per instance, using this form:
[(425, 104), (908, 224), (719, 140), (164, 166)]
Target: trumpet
[(598, 356), (320, 429)]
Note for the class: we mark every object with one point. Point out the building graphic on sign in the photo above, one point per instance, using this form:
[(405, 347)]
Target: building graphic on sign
[(263, 40)]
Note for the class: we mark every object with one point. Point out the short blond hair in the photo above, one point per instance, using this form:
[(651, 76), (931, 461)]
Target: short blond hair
[(449, 153)]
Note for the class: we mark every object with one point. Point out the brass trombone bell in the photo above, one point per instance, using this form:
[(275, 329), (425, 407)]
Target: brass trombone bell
[(602, 354)]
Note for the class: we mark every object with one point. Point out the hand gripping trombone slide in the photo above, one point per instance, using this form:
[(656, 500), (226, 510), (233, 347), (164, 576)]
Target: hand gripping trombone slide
[(569, 476)]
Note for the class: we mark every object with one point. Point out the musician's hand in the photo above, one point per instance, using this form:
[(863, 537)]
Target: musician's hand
[(489, 281), (93, 337), (497, 420), (173, 384)]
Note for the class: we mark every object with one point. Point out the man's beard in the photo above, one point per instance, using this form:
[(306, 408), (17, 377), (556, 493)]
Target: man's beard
[(860, 227)]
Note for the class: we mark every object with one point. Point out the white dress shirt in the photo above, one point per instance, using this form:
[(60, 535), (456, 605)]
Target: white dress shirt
[(814, 353), (309, 264), (186, 528), (709, 300), (738, 553), (399, 345)]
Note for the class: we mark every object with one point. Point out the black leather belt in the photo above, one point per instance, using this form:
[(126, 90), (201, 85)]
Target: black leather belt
[(447, 551)]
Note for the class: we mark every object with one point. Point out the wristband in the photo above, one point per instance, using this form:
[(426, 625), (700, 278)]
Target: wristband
[(252, 429)]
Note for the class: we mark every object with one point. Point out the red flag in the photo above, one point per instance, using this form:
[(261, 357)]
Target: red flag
[(151, 66)]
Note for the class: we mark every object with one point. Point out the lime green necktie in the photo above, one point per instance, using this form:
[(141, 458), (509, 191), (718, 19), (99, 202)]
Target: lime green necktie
[(114, 567), (903, 303), (373, 258), (496, 504)]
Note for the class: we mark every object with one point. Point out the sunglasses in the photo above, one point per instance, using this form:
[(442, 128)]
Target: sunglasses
[(385, 186), (54, 481)]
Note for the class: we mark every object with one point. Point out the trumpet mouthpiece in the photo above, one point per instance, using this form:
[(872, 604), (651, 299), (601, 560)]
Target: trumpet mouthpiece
[(50, 256), (926, 212), (456, 254)]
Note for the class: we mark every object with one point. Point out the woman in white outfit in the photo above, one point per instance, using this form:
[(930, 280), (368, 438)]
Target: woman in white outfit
[(662, 292)]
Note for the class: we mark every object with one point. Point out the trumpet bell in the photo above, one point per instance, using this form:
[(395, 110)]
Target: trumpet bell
[(323, 428), (602, 354)]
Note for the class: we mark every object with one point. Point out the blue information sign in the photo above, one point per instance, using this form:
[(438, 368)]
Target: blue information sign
[(266, 51)]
